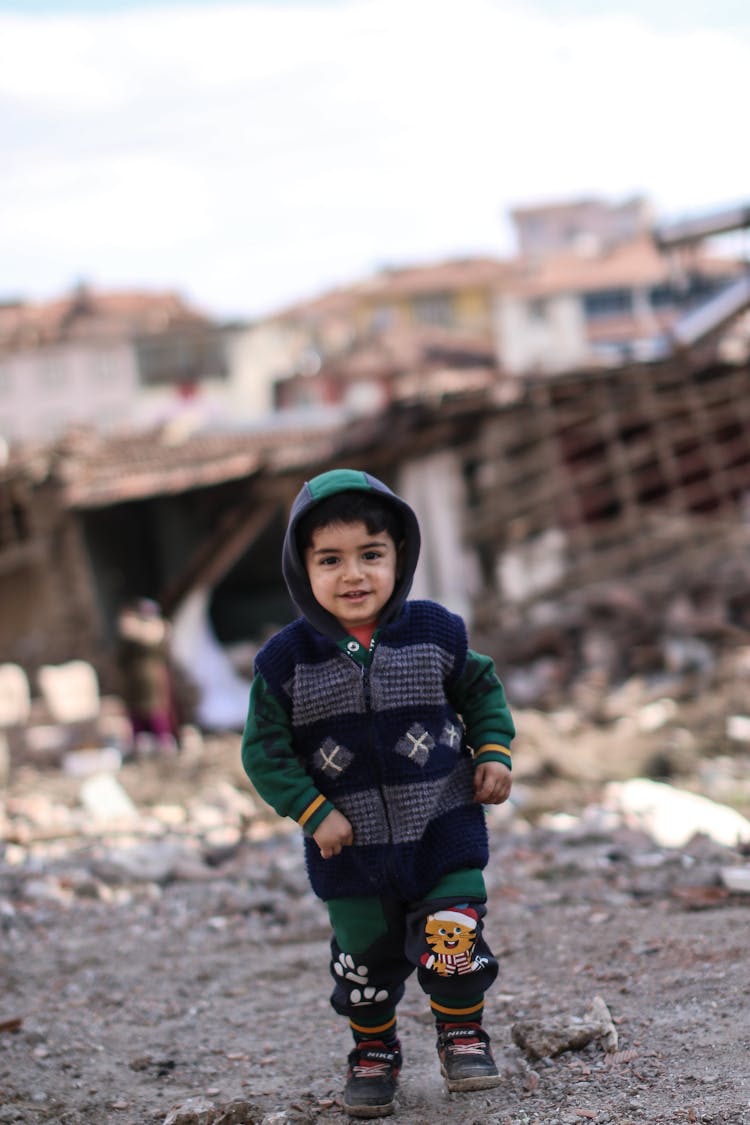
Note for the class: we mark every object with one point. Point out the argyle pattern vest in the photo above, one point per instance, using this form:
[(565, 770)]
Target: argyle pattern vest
[(384, 744)]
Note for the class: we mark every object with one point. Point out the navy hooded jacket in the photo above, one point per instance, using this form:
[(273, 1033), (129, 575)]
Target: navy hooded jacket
[(388, 735)]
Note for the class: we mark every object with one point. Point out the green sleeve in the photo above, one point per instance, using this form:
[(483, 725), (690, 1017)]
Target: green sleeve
[(275, 770), (479, 697)]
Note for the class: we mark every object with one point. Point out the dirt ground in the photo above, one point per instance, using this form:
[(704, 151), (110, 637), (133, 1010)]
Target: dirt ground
[(194, 990)]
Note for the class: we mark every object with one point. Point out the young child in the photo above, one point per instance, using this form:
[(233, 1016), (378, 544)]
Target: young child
[(376, 727)]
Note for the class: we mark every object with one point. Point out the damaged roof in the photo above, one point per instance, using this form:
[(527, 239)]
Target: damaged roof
[(96, 473), (86, 313)]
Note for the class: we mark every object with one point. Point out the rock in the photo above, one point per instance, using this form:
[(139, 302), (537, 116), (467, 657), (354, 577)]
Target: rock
[(736, 879), (83, 763), (201, 1111), (46, 889), (655, 715), (607, 1035), (673, 816), (151, 862), (238, 1112), (105, 799), (194, 1111), (541, 1039), (70, 691), (738, 728)]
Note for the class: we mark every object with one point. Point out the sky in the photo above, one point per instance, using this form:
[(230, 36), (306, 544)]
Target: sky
[(250, 154)]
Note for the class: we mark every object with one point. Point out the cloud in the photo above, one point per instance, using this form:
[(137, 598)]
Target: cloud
[(250, 153)]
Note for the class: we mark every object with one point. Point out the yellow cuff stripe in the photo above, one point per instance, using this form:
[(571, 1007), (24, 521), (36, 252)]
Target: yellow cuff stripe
[(371, 1030), (492, 746), (311, 808), (457, 1011)]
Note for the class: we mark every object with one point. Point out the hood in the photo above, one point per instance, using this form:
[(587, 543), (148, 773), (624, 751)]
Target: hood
[(293, 566)]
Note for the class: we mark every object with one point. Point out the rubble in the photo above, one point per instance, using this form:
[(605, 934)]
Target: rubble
[(671, 817), (200, 1111), (159, 897), (642, 644), (105, 799), (552, 1036), (736, 879)]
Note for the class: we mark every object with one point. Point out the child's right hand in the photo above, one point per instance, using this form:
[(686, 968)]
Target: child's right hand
[(333, 833)]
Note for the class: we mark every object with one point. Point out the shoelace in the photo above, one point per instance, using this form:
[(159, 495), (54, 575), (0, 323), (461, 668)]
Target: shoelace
[(461, 1041), (467, 1046), (371, 1068)]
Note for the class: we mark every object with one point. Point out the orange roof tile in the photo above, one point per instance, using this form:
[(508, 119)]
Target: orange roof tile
[(627, 264), (97, 473), (85, 312), (460, 273), (404, 281)]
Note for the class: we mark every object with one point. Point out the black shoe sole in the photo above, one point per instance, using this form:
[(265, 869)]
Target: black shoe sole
[(369, 1110), (472, 1081)]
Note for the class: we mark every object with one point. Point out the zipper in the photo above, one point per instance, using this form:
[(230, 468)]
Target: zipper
[(367, 697), (367, 694)]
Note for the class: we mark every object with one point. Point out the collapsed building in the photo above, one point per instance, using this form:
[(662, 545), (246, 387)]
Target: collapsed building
[(639, 476), (547, 501)]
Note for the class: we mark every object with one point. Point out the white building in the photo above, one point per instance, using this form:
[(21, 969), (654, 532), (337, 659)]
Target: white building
[(111, 361)]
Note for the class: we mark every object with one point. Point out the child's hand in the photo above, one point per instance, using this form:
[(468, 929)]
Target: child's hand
[(492, 782), (333, 833)]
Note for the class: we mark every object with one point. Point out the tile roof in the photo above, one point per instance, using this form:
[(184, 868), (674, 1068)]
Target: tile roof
[(634, 263), (401, 348), (97, 473), (405, 281), (86, 312), (459, 273)]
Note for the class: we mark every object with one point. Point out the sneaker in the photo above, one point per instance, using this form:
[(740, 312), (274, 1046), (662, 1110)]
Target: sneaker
[(371, 1079), (466, 1060)]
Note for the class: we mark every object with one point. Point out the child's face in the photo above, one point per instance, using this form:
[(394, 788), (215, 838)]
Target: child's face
[(352, 572)]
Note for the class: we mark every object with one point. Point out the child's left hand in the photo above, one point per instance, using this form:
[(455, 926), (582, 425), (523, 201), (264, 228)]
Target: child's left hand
[(492, 783)]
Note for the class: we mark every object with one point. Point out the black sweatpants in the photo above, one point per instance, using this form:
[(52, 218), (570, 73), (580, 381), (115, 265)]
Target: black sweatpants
[(378, 943)]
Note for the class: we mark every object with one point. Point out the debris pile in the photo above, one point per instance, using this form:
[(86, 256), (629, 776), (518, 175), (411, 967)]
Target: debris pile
[(674, 632), (160, 942)]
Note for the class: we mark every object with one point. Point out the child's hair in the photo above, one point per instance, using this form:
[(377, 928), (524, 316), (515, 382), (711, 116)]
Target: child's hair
[(350, 507)]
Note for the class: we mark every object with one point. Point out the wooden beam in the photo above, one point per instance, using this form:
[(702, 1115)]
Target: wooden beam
[(237, 530)]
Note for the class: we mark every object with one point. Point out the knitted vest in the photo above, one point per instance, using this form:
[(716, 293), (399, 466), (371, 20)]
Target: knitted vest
[(386, 747)]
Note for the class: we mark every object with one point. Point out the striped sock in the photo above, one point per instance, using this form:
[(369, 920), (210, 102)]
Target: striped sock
[(453, 1013), (384, 1032)]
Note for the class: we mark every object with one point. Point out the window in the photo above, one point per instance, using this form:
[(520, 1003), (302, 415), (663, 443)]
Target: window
[(661, 296), (435, 308), (177, 357), (700, 287), (383, 317), (537, 310), (608, 302)]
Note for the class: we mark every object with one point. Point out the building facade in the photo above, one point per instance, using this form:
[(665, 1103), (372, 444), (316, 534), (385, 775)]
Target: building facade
[(109, 361)]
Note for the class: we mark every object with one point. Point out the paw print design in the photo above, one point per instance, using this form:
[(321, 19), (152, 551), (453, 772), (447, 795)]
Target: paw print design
[(346, 968)]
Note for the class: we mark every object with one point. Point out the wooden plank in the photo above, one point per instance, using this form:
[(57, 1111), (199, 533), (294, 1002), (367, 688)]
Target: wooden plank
[(216, 555)]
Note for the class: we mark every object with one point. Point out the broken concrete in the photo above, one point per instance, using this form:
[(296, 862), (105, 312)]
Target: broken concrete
[(552, 1036)]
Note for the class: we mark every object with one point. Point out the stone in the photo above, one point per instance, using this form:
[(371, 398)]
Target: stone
[(105, 799), (546, 1038), (672, 816)]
